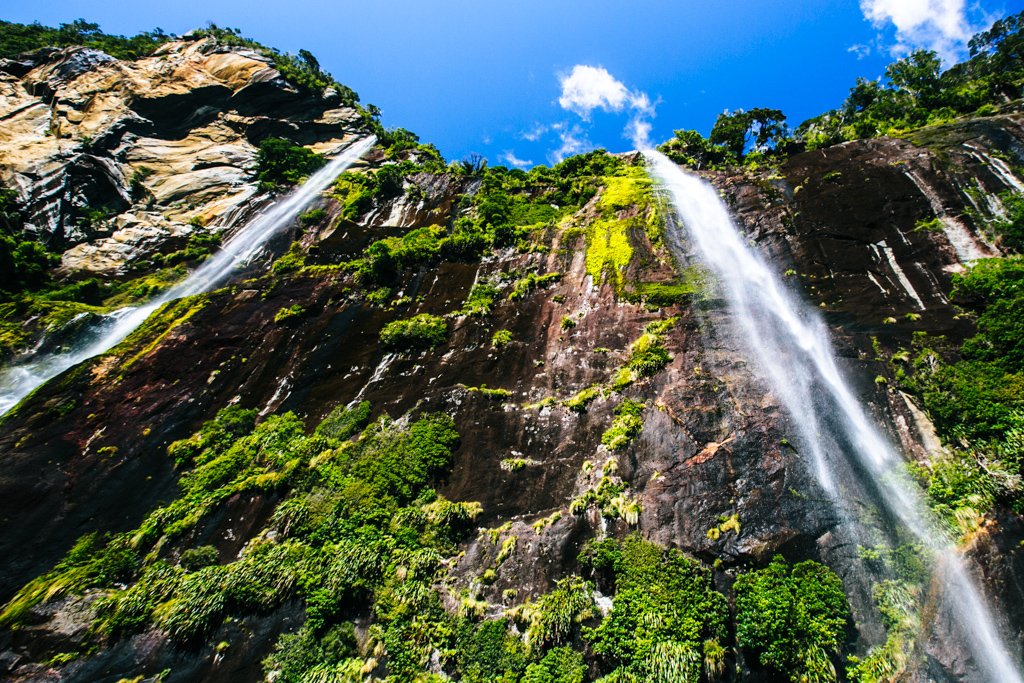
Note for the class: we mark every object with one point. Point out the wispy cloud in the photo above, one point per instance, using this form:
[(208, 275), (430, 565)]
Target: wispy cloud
[(509, 157), (573, 141), (534, 133), (862, 51), (939, 25)]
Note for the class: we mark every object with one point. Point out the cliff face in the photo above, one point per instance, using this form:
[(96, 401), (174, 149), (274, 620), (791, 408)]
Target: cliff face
[(712, 471), (158, 145)]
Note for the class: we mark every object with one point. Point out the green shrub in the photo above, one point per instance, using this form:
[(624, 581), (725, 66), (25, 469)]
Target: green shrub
[(423, 331), (559, 665), (793, 618), (281, 162), (488, 652), (313, 217), (647, 355), (666, 617), (343, 422), (305, 655), (18, 38), (554, 617)]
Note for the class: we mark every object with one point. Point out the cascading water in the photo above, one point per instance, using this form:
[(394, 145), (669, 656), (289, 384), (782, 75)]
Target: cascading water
[(791, 345), (19, 380)]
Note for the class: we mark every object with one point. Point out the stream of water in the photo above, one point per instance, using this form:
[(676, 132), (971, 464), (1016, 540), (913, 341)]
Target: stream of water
[(25, 375), (790, 343)]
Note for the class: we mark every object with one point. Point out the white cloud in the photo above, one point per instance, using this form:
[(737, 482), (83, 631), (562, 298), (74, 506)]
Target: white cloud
[(939, 25), (860, 50), (534, 133), (573, 139), (587, 88), (512, 160), (639, 131)]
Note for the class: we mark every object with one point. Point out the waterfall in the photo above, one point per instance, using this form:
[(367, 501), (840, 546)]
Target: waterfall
[(20, 379), (791, 345)]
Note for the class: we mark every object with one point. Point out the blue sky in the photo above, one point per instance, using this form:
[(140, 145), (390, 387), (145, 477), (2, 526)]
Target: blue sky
[(526, 82)]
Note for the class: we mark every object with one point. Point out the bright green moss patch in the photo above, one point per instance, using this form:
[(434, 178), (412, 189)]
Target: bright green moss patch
[(288, 313), (628, 423), (291, 261), (501, 338), (609, 251), (486, 392), (648, 355), (579, 402), (531, 281), (481, 299), (632, 187), (423, 331)]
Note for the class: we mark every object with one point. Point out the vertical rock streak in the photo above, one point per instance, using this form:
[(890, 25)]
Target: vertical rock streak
[(847, 452), (19, 380)]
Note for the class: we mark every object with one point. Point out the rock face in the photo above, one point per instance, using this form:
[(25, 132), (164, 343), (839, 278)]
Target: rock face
[(170, 139), (86, 452)]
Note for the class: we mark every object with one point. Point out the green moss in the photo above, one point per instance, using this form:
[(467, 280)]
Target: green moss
[(493, 394), (647, 355), (579, 402), (158, 326), (532, 281), (609, 251), (501, 338), (291, 261), (629, 189), (423, 331), (628, 423), (480, 300), (288, 313)]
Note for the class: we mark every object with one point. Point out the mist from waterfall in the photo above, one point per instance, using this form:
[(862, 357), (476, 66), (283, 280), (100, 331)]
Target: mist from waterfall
[(790, 344), (24, 376)]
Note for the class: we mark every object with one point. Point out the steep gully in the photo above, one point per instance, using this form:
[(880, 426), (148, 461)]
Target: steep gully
[(20, 379), (848, 454)]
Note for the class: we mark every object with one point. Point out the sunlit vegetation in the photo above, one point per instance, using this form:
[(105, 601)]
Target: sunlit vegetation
[(18, 38), (627, 425), (423, 331), (280, 162), (975, 396), (792, 618), (898, 599), (359, 532), (481, 299), (667, 622)]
